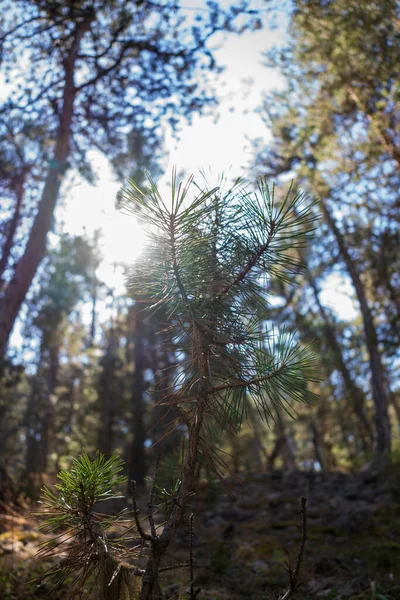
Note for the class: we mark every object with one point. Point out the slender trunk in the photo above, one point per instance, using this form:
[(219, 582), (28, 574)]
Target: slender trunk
[(257, 445), (165, 436), (288, 457), (379, 394), (356, 395), (12, 228), (194, 454), (137, 466), (25, 270), (150, 582), (282, 446), (318, 447), (106, 397), (159, 545), (48, 410), (32, 430), (67, 423), (94, 310), (274, 454), (396, 406)]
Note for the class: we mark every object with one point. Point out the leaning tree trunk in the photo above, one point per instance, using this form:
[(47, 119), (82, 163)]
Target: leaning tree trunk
[(25, 270), (356, 395), (12, 228), (379, 394)]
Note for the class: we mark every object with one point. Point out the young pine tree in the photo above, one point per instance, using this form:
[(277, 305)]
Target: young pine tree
[(208, 261)]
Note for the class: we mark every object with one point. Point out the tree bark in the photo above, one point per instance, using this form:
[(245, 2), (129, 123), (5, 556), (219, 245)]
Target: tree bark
[(282, 446), (48, 409), (12, 228), (106, 396), (354, 391), (25, 270), (379, 394), (258, 449), (137, 467)]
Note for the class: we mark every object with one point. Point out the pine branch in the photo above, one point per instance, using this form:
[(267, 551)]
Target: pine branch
[(248, 383), (145, 536)]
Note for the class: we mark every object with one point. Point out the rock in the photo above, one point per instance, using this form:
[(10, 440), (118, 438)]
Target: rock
[(274, 498), (352, 523), (259, 566)]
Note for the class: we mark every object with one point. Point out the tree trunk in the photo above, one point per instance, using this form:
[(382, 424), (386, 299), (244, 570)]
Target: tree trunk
[(106, 396), (48, 409), (137, 467), (282, 446), (319, 449), (150, 581), (12, 228), (356, 395), (382, 423), (258, 449), (165, 436), (25, 270)]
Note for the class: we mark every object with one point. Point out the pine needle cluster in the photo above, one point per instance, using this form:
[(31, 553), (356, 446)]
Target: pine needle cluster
[(79, 532), (210, 261)]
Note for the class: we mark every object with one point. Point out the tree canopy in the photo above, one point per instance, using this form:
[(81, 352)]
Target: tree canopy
[(98, 75)]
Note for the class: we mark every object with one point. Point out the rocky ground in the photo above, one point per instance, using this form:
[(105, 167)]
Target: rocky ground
[(353, 539), (244, 533)]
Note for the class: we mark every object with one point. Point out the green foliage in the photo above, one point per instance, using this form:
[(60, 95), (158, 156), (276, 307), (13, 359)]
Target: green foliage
[(86, 483), (166, 498), (208, 261), (335, 130), (71, 510)]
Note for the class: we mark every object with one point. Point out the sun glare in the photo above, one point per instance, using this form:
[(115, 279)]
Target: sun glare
[(337, 293), (218, 141), (90, 209)]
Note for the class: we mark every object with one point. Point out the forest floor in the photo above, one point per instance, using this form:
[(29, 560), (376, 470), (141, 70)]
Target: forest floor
[(244, 534)]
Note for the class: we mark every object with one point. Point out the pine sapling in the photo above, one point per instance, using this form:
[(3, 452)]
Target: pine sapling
[(209, 261)]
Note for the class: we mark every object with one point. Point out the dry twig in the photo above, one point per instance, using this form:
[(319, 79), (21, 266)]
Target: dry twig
[(142, 533), (192, 593), (294, 573)]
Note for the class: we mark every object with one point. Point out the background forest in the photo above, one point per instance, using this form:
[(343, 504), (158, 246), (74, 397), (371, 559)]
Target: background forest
[(82, 364)]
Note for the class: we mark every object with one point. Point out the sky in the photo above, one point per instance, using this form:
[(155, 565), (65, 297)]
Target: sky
[(220, 142)]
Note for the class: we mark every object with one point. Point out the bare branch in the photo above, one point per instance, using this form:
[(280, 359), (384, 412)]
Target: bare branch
[(173, 567), (114, 38), (14, 29), (131, 45), (192, 593), (141, 531), (150, 514), (294, 574), (249, 382), (250, 265)]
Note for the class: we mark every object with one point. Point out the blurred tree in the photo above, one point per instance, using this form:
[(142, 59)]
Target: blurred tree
[(14, 388), (96, 74), (110, 388), (138, 327), (336, 128), (67, 275)]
